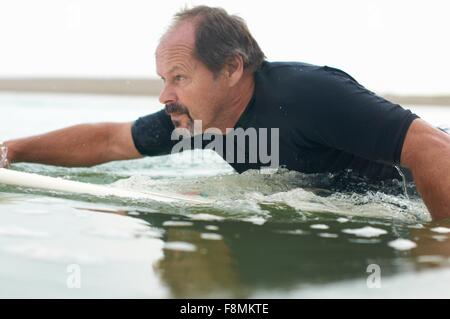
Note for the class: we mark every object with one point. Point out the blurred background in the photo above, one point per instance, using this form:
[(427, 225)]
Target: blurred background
[(397, 49)]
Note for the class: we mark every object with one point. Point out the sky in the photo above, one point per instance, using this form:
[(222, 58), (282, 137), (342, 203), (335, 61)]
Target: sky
[(388, 46)]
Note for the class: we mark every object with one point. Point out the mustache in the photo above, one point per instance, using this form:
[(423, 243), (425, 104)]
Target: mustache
[(179, 109), (176, 108)]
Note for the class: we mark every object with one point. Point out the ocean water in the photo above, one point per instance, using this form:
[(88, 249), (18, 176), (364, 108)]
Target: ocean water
[(278, 235)]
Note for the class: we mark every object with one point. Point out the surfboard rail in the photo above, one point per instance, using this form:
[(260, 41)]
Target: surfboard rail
[(31, 180)]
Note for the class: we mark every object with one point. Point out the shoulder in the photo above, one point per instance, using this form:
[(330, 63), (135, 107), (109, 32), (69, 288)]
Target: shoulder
[(285, 70), (298, 75), (300, 81), (301, 69)]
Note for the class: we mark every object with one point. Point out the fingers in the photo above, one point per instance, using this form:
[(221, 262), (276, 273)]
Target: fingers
[(3, 156)]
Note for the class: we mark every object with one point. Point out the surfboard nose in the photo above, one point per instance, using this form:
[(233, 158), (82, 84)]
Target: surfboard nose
[(23, 179)]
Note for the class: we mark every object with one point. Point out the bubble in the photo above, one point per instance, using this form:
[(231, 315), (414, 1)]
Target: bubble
[(402, 244), (367, 231), (211, 236), (180, 246)]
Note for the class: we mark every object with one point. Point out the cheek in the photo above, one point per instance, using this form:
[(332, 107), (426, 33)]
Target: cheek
[(201, 98), (196, 99)]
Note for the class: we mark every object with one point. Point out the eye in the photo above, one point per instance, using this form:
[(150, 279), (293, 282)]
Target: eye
[(178, 78)]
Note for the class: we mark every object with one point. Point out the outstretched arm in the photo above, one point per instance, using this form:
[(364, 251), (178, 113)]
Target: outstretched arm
[(79, 145), (426, 152)]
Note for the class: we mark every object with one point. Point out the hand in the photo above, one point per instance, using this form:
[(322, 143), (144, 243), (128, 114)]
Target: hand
[(3, 156)]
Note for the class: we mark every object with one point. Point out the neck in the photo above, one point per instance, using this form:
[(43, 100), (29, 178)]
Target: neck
[(237, 101)]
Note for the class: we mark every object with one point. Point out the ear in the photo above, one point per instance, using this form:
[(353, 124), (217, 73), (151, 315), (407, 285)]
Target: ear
[(234, 70)]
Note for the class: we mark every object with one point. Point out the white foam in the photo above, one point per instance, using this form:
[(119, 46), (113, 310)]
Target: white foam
[(367, 231), (180, 246), (132, 213), (370, 204), (244, 193), (328, 235), (380, 205), (342, 220), (441, 230), (206, 217), (174, 223), (291, 232), (417, 226), (211, 236), (211, 227), (319, 226), (439, 237), (364, 241), (257, 220), (402, 244), (304, 200)]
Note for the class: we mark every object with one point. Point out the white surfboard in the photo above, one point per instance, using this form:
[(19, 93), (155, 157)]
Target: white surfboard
[(16, 178)]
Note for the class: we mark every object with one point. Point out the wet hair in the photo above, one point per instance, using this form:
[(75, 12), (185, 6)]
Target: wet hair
[(220, 37)]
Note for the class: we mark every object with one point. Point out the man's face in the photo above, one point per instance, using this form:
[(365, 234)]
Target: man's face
[(191, 92)]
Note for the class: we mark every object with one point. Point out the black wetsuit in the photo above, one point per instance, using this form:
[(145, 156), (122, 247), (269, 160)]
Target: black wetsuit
[(327, 122)]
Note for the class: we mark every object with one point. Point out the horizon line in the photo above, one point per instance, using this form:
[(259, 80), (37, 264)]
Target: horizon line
[(143, 86)]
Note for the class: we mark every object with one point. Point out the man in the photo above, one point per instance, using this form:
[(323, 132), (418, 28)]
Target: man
[(322, 119)]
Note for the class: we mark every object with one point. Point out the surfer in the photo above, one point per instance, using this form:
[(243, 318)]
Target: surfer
[(215, 72)]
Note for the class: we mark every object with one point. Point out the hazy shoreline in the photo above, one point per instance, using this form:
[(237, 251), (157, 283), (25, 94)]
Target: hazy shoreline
[(137, 86), (151, 87)]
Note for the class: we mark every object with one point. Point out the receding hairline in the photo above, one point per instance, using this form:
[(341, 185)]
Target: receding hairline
[(177, 23), (215, 36)]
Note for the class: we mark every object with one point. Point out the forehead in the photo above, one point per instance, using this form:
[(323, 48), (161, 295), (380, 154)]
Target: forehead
[(176, 47)]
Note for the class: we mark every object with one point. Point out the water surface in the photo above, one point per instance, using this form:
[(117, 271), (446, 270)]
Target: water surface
[(282, 235)]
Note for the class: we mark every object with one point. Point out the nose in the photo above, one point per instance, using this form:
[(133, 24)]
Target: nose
[(167, 95)]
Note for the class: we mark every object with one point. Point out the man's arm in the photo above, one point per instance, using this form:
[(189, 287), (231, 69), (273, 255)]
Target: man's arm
[(79, 145), (426, 152)]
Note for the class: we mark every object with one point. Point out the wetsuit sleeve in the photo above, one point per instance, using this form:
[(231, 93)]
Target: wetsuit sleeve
[(151, 134), (346, 116)]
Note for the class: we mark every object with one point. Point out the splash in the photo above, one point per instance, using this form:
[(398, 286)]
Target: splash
[(255, 195)]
